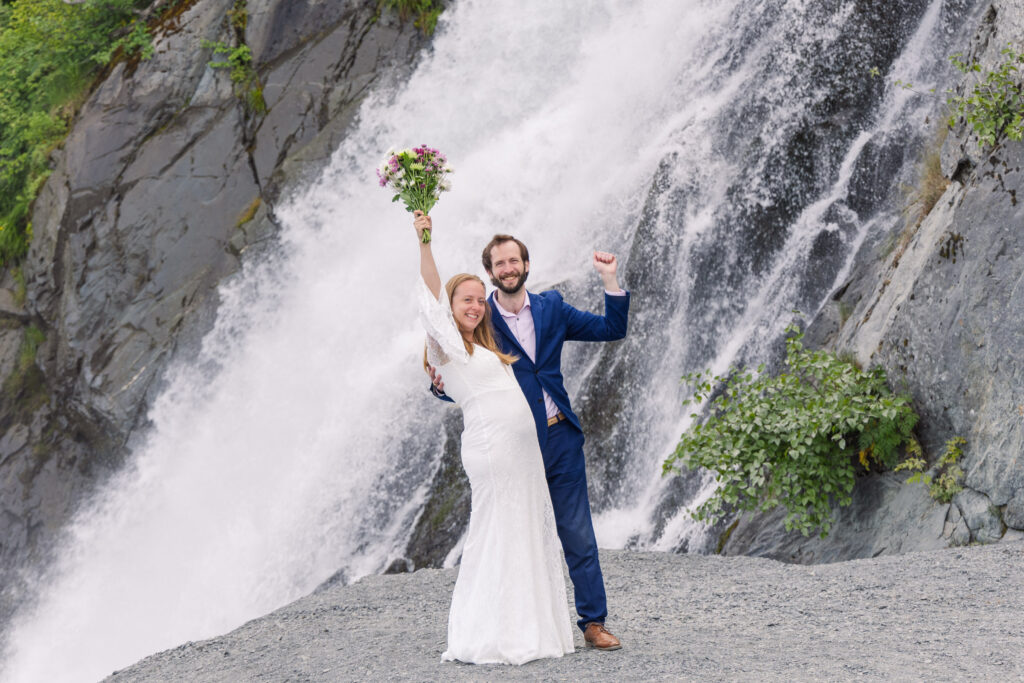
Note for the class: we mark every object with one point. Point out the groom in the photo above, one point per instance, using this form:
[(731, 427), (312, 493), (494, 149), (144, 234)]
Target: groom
[(534, 327)]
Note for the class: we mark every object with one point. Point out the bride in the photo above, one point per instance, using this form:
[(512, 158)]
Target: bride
[(509, 605)]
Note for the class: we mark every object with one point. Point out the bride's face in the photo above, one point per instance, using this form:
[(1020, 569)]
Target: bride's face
[(468, 302)]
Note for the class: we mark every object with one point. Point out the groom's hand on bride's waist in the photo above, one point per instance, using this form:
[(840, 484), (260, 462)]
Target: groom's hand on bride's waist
[(435, 379)]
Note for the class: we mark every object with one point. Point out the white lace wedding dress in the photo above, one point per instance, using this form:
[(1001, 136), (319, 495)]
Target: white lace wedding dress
[(509, 604)]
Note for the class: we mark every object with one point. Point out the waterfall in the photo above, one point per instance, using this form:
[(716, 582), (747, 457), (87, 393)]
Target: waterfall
[(734, 153)]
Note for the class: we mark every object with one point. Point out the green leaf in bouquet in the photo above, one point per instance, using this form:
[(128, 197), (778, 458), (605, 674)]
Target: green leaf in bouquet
[(396, 198)]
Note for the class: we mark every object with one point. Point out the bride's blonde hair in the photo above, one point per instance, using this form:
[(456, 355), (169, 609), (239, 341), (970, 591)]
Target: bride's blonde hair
[(483, 334)]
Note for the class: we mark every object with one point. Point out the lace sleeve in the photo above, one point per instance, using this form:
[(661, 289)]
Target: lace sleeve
[(444, 343)]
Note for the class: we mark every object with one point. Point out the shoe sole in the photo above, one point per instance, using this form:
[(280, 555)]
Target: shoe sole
[(605, 649)]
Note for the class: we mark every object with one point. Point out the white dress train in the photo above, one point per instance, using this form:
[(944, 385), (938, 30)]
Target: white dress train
[(509, 604)]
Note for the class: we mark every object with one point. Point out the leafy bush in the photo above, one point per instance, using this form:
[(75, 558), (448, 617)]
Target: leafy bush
[(995, 104), (792, 439), (425, 12), (49, 51), (238, 61), (950, 475)]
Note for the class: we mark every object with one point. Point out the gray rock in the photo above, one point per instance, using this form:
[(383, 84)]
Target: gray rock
[(1013, 513), (147, 210), (960, 535), (953, 521), (884, 517), (980, 516), (943, 318), (9, 307), (13, 441), (445, 515), (955, 295)]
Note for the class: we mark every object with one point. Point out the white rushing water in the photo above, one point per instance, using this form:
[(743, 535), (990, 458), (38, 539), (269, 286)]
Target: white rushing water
[(258, 484)]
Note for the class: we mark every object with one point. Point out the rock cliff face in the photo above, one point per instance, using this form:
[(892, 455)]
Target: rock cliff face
[(168, 182), (167, 178), (945, 317)]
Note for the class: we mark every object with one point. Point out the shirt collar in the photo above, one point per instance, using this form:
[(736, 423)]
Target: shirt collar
[(508, 314)]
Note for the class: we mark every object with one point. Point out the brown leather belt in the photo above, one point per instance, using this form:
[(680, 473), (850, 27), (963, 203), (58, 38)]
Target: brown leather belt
[(557, 418)]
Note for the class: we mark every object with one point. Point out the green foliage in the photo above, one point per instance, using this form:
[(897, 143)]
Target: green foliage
[(426, 12), (49, 52), (243, 75), (994, 106), (238, 15), (34, 338), (792, 439), (950, 475), (238, 60), (25, 389), (250, 212), (20, 289), (931, 182)]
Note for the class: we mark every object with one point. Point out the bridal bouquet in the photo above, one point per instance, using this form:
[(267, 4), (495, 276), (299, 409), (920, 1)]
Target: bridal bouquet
[(418, 177)]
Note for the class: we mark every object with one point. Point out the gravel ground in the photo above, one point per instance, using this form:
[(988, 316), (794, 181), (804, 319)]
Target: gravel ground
[(954, 614)]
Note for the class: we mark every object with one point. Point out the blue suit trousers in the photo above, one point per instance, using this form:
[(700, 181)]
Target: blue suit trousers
[(567, 481)]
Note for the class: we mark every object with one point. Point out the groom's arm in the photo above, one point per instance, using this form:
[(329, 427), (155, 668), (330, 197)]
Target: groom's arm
[(583, 326), (437, 385)]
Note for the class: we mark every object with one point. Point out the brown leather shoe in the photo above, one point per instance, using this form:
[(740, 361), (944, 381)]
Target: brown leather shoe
[(597, 636)]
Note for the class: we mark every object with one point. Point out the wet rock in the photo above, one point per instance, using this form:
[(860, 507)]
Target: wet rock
[(942, 318), (13, 441), (10, 308), (445, 516), (164, 183), (400, 565)]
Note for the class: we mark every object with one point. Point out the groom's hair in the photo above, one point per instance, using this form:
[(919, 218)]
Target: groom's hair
[(501, 239)]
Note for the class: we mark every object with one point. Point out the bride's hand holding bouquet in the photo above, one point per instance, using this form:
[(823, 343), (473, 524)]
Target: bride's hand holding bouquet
[(423, 225), (418, 177)]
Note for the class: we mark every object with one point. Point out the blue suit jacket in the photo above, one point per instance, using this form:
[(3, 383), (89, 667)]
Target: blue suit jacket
[(556, 322)]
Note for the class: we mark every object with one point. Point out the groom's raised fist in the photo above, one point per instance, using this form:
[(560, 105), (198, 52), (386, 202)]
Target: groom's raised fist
[(605, 262)]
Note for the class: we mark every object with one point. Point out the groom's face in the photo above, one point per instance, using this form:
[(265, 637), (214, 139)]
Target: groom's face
[(508, 270)]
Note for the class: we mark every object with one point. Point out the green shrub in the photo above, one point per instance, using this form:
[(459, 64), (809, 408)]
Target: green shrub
[(792, 439), (950, 475), (49, 52), (995, 104), (238, 60), (424, 12)]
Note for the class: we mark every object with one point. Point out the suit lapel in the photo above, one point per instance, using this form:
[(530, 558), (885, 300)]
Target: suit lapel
[(501, 327), (536, 307)]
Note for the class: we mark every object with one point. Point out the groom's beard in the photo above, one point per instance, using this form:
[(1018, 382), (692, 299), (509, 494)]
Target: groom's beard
[(520, 281)]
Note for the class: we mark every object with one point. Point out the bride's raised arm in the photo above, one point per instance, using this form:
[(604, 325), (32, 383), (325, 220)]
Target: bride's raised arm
[(428, 269)]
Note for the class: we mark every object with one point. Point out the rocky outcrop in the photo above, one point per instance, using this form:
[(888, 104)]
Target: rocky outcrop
[(945, 317), (167, 178)]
